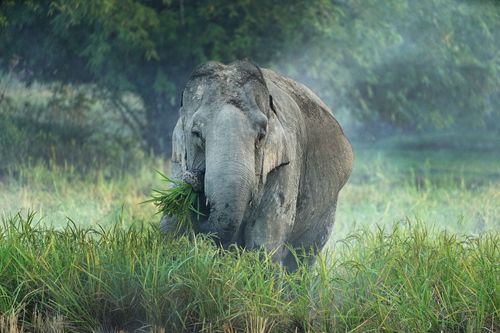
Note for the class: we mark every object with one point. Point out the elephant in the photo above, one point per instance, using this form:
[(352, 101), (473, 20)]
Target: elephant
[(271, 156)]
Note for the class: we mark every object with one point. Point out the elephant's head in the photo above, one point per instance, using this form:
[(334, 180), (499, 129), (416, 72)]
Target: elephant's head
[(229, 127)]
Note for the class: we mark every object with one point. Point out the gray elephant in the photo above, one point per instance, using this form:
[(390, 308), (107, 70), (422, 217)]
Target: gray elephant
[(272, 156)]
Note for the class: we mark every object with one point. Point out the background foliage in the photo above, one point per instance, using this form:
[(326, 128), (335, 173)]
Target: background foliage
[(390, 65), (146, 48)]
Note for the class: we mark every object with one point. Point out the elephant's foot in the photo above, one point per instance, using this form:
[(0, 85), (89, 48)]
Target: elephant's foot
[(168, 225)]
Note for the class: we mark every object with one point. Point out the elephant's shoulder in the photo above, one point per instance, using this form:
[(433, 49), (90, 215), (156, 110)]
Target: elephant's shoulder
[(290, 87), (308, 102)]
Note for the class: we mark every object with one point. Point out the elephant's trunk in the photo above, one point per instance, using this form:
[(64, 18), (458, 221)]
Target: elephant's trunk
[(229, 180)]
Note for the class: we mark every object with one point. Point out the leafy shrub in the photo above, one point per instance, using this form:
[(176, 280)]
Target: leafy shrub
[(66, 130)]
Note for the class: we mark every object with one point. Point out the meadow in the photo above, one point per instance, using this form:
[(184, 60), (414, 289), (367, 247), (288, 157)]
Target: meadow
[(415, 248), (455, 187)]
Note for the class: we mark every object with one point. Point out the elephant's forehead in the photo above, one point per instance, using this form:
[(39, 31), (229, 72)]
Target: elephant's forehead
[(215, 84), (217, 92), (198, 93)]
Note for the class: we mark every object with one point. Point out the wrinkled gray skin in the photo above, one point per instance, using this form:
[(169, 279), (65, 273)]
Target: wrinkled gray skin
[(274, 157)]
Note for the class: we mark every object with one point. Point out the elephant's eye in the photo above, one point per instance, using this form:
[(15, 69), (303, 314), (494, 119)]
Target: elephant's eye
[(196, 133), (260, 137)]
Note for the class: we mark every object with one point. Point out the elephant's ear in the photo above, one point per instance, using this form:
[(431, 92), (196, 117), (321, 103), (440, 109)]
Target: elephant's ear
[(178, 148), (275, 148)]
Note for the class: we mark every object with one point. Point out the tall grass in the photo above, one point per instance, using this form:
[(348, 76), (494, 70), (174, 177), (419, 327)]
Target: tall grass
[(58, 276), (407, 279), (96, 197), (458, 191)]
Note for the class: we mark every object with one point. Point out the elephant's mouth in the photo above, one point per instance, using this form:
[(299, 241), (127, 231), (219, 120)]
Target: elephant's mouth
[(195, 178), (202, 207)]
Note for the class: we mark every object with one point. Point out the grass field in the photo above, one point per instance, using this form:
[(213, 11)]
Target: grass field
[(415, 249), (453, 189)]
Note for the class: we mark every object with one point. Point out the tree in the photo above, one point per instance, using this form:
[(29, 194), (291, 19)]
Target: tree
[(415, 65), (148, 47)]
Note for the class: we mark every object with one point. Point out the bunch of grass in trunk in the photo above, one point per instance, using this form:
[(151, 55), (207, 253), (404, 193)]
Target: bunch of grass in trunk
[(179, 200)]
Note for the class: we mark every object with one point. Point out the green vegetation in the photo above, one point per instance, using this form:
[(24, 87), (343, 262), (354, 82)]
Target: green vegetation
[(93, 198), (64, 126), (437, 270), (89, 93), (453, 189), (442, 180), (408, 279), (178, 200), (416, 65), (147, 48)]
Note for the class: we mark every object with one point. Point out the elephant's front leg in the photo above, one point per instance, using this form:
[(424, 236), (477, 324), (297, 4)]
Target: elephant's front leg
[(273, 220), (168, 224)]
